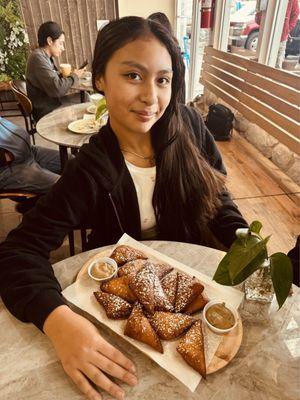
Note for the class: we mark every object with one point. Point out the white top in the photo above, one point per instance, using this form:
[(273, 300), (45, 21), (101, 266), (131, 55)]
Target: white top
[(144, 182)]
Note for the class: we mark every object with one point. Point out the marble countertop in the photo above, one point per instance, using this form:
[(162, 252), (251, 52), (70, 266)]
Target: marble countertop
[(267, 366), (54, 126)]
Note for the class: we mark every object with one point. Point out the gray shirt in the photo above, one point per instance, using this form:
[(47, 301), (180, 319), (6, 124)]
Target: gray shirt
[(45, 86)]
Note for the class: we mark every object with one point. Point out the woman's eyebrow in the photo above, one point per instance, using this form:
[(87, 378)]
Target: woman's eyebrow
[(144, 69)]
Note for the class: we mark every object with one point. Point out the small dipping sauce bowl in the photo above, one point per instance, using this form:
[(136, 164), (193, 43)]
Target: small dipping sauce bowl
[(220, 317), (103, 269)]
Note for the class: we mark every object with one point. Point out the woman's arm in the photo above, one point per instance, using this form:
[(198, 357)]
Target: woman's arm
[(28, 286), (31, 292)]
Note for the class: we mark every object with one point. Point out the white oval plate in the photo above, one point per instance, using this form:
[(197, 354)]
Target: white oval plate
[(91, 109), (84, 126)]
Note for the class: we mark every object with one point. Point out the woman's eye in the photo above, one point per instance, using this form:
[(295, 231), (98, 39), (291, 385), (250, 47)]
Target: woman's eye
[(133, 76), (164, 81)]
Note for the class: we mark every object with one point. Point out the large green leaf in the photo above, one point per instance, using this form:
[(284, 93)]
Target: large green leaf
[(282, 276), (250, 268), (244, 257), (222, 273)]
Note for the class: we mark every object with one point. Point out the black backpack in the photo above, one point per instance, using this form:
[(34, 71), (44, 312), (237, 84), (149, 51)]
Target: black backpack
[(219, 121)]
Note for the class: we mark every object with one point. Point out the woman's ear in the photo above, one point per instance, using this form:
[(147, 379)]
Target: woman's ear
[(99, 84)]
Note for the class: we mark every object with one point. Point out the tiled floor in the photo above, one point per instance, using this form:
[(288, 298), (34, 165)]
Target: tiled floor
[(258, 195)]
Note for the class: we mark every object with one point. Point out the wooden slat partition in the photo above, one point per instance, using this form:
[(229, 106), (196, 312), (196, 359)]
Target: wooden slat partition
[(266, 96), (77, 18)]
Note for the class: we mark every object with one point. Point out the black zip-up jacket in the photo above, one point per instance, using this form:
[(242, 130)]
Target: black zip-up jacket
[(95, 190)]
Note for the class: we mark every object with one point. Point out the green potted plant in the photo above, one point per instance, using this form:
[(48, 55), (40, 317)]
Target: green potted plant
[(13, 42), (101, 108), (248, 256)]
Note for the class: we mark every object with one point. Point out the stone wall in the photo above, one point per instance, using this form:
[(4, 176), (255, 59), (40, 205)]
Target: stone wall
[(279, 154)]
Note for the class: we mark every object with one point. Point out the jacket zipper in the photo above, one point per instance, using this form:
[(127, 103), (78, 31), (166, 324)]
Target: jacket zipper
[(116, 212)]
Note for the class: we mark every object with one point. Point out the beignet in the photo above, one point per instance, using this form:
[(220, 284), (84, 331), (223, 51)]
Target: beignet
[(139, 328), (114, 306), (132, 267), (122, 254), (119, 287), (196, 305), (169, 285), (169, 326), (147, 288), (188, 288), (191, 348)]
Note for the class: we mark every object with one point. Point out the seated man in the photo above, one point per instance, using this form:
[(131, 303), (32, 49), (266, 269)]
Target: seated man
[(23, 166), (46, 88)]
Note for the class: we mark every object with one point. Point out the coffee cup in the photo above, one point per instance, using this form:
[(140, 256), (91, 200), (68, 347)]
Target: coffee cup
[(95, 97), (65, 70)]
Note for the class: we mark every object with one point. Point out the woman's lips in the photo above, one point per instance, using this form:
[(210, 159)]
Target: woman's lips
[(144, 115)]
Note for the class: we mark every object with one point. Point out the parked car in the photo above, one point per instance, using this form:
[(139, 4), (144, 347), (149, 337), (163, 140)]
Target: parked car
[(244, 31), (243, 28)]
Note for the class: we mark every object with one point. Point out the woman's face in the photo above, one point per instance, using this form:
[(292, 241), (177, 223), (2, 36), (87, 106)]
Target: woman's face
[(137, 85), (56, 47)]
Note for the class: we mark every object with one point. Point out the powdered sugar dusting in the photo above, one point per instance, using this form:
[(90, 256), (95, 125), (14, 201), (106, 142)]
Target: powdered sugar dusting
[(122, 254)]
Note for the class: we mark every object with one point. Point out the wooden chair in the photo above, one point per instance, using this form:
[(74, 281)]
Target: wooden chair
[(19, 90), (16, 195)]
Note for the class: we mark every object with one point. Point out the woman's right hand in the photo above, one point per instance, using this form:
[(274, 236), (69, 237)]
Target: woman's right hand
[(85, 354)]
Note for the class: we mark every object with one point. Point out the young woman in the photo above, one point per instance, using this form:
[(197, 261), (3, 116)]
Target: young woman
[(45, 86), (153, 171)]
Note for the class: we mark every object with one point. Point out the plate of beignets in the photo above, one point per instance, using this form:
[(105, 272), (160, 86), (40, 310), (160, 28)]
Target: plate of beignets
[(158, 304)]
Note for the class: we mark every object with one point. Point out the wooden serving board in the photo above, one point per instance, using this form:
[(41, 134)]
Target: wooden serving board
[(229, 345)]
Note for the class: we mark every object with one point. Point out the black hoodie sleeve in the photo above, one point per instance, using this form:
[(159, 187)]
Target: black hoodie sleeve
[(228, 218), (28, 286)]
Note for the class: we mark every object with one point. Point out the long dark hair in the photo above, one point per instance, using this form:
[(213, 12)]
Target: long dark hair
[(187, 188), (162, 19)]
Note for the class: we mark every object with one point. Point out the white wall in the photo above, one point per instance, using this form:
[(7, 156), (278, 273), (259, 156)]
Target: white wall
[(143, 8)]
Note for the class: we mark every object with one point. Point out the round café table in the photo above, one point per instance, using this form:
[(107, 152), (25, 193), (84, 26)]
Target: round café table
[(54, 128), (266, 366)]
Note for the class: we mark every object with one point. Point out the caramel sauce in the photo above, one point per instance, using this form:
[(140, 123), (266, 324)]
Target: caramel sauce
[(102, 270), (220, 316)]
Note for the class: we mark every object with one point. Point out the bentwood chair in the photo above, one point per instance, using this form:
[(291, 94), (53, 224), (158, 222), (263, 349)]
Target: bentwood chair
[(19, 90)]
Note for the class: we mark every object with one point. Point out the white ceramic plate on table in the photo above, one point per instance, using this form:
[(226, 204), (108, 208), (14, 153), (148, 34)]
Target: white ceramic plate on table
[(84, 126)]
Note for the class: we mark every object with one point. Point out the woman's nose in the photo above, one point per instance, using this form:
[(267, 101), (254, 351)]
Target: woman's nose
[(148, 94)]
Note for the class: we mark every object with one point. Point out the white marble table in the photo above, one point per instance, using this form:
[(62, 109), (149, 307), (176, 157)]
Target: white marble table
[(54, 128), (267, 366)]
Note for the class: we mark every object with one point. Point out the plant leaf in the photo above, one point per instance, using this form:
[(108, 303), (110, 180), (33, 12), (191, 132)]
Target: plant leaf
[(247, 254), (282, 276), (222, 274), (250, 268), (255, 227), (241, 255), (101, 108)]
